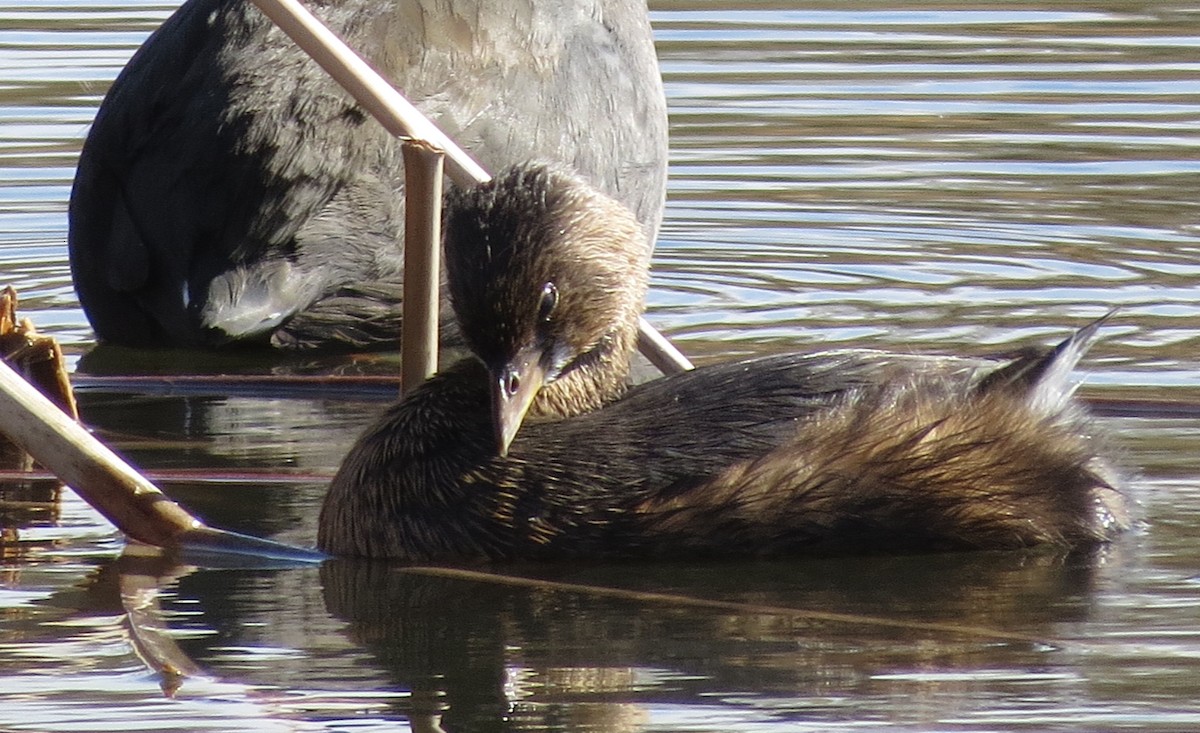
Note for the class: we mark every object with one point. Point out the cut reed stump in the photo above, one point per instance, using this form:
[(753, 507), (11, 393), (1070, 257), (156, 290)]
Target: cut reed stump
[(39, 361), (36, 357)]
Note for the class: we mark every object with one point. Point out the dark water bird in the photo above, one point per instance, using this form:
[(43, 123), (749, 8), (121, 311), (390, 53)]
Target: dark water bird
[(831, 452), (230, 192)]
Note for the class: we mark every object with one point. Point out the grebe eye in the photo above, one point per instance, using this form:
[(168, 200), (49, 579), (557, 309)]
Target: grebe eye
[(549, 300)]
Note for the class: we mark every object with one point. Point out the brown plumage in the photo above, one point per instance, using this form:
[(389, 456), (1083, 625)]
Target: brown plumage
[(840, 451)]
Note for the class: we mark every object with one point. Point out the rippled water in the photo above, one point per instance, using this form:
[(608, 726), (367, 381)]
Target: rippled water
[(906, 175)]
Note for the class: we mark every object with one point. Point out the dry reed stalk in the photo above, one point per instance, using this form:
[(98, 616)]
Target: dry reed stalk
[(423, 165)]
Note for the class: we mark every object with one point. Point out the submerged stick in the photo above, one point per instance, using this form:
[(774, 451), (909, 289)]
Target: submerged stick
[(423, 164), (402, 119), (675, 599), (126, 498), (136, 506)]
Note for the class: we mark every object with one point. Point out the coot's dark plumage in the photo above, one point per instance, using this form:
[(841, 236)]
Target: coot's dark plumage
[(841, 451), (230, 191)]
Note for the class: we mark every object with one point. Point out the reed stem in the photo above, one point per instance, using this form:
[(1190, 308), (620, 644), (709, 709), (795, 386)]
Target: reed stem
[(423, 165)]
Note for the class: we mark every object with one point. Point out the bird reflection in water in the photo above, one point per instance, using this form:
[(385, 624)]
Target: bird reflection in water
[(491, 654)]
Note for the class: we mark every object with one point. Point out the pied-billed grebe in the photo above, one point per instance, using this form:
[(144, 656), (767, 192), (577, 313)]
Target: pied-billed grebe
[(230, 191), (841, 451)]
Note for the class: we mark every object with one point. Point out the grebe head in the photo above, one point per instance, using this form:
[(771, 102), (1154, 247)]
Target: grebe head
[(547, 278)]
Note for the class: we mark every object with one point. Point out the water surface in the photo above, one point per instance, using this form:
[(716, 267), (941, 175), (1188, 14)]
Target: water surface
[(911, 175)]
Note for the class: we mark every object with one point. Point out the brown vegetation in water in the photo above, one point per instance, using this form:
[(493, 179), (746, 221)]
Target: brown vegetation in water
[(39, 359)]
